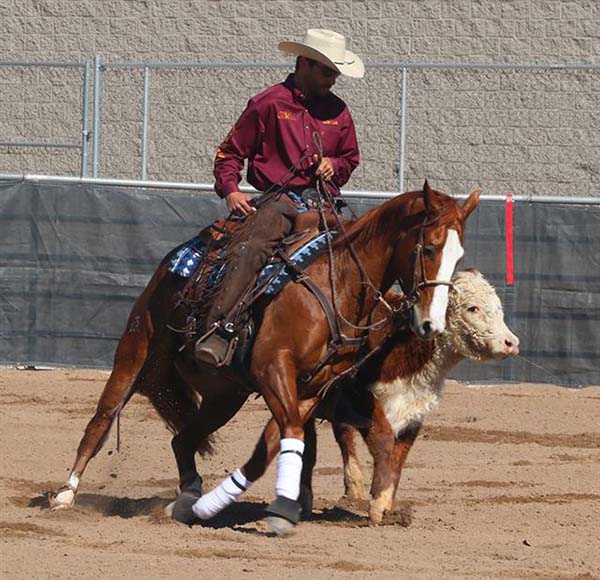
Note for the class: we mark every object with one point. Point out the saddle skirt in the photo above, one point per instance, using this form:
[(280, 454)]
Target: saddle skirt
[(302, 249)]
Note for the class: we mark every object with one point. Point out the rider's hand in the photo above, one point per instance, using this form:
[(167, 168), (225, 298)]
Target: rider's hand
[(238, 203), (325, 169)]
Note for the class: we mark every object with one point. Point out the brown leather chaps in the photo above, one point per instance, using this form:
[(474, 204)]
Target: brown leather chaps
[(250, 247)]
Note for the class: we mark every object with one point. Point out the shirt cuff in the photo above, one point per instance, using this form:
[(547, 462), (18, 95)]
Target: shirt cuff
[(226, 188)]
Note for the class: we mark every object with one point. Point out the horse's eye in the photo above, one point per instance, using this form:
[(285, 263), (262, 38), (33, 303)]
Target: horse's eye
[(429, 251), (473, 309)]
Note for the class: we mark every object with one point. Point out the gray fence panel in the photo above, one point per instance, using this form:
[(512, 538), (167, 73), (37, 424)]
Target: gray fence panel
[(73, 259)]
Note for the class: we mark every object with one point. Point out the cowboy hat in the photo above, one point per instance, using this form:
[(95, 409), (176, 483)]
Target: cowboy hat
[(328, 48)]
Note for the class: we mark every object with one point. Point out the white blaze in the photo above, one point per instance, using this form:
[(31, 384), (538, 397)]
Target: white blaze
[(451, 254)]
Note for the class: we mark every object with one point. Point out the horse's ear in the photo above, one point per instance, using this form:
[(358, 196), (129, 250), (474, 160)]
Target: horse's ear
[(428, 198), (471, 203)]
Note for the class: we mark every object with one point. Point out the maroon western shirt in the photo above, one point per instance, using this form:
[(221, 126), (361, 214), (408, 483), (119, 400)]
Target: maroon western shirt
[(275, 133)]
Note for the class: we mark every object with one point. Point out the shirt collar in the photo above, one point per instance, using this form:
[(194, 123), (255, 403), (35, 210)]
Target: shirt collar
[(297, 94)]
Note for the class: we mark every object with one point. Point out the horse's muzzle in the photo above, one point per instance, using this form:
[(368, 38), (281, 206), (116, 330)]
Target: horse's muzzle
[(424, 328)]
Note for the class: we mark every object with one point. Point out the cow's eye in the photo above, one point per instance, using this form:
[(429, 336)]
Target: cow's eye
[(473, 309)]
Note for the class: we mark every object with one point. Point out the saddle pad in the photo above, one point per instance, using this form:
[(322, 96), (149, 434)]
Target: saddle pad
[(187, 258), (276, 275)]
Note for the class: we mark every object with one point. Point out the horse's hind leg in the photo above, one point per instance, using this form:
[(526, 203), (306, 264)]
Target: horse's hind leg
[(129, 359), (194, 430), (309, 459)]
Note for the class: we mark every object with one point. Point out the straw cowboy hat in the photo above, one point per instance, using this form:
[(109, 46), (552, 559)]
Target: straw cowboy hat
[(328, 48)]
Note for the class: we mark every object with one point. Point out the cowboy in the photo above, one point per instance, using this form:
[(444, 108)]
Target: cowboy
[(291, 134)]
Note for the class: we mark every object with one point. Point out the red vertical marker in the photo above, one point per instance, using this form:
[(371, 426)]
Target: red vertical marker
[(510, 262)]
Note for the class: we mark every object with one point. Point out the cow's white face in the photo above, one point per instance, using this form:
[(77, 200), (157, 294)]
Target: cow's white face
[(476, 320)]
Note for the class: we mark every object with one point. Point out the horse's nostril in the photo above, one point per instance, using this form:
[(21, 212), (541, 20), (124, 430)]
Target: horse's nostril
[(427, 328)]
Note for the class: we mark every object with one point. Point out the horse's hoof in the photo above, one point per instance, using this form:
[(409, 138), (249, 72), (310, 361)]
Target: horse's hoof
[(168, 511), (306, 502), (182, 508), (282, 515), (279, 526), (64, 498)]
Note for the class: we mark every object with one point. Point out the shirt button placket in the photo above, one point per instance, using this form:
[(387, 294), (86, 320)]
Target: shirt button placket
[(306, 135)]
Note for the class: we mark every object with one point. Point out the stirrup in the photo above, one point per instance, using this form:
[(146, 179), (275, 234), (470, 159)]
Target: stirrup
[(220, 355)]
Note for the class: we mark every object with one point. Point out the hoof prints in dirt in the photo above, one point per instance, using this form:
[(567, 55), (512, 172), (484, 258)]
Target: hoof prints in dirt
[(20, 530), (350, 513), (465, 435)]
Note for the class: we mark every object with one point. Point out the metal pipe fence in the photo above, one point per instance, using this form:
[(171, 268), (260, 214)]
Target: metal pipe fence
[(82, 144), (403, 76)]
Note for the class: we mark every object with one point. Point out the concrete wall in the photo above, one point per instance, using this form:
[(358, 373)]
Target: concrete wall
[(525, 132)]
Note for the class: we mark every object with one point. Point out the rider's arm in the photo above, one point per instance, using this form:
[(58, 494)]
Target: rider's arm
[(346, 157), (241, 144)]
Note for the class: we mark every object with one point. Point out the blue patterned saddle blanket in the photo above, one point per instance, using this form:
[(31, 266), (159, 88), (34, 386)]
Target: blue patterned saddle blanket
[(274, 275)]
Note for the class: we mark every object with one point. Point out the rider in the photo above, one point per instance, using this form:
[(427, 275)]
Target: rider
[(289, 133)]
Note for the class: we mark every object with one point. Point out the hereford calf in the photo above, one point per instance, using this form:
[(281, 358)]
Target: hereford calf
[(407, 382)]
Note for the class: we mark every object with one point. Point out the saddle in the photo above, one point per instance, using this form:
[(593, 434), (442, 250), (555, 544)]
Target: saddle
[(204, 259)]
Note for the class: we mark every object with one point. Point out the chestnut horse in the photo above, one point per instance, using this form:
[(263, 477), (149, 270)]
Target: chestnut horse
[(414, 238)]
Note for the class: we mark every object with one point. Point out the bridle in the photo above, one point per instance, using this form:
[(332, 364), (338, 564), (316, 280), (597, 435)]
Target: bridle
[(338, 340), (419, 280), (419, 262)]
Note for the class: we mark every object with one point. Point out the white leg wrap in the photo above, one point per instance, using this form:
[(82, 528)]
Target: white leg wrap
[(289, 468), (219, 498)]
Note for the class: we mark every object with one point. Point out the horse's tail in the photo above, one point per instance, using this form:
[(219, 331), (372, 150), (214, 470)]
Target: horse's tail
[(206, 446)]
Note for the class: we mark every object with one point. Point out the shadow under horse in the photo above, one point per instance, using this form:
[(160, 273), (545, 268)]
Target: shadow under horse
[(413, 239)]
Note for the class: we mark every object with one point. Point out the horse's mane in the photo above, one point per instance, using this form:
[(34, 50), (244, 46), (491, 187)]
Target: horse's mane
[(402, 212)]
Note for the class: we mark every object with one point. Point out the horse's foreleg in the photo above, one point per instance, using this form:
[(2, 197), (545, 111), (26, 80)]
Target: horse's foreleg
[(129, 359), (279, 390), (354, 487)]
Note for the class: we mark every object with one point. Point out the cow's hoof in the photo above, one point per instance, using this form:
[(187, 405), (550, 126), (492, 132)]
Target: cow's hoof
[(182, 508), (64, 498), (375, 516)]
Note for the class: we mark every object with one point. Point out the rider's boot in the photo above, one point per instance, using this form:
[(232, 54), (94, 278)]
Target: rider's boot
[(218, 347), (212, 350)]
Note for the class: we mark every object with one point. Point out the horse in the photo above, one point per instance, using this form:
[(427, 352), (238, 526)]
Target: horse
[(403, 382), (414, 238)]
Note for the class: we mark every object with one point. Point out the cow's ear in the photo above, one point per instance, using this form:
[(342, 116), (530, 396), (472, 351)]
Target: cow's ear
[(471, 203)]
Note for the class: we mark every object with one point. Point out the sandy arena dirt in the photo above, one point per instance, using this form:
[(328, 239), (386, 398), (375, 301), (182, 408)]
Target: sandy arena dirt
[(504, 482)]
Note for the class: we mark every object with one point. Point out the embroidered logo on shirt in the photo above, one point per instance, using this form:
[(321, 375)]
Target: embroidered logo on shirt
[(330, 122), (286, 115)]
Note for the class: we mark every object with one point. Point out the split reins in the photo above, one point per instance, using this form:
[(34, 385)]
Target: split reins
[(338, 340)]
